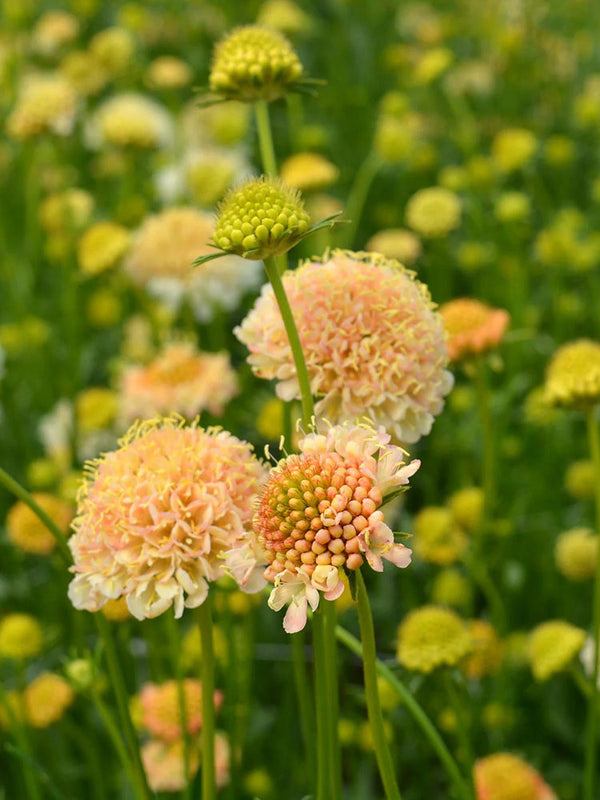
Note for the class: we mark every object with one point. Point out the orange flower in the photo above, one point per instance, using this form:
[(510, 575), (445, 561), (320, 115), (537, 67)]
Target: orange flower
[(503, 776), (472, 326)]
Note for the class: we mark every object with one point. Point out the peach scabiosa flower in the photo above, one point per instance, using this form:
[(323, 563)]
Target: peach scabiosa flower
[(159, 705), (473, 327), (372, 340), (156, 517), (180, 379), (320, 512), (504, 776)]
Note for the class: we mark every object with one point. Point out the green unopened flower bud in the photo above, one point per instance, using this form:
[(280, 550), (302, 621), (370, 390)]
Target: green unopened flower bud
[(260, 219), (80, 673), (254, 63)]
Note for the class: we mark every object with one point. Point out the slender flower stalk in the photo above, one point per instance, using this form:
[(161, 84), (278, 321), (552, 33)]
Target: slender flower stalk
[(330, 614), (382, 750), (594, 704), (322, 700), (18, 730), (208, 702), (305, 700), (175, 648), (265, 138), (458, 706), (417, 713), (292, 332), (120, 691), (358, 195)]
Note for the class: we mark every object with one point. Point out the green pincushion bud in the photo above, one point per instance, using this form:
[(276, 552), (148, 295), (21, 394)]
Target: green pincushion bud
[(260, 219), (254, 63)]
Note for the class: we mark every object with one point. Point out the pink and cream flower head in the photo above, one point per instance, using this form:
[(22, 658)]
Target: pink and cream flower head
[(372, 339), (157, 516), (320, 512)]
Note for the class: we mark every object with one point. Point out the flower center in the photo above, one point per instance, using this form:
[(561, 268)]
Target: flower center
[(312, 511)]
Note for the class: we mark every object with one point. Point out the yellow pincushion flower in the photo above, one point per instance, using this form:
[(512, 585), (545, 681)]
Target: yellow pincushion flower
[(269, 422), (261, 218), (168, 72), (512, 207), (504, 776), (101, 247), (46, 699), (66, 211), (309, 172), (398, 243), (85, 74), (254, 63), (438, 538), (54, 30), (432, 64), (27, 531), (452, 588), (576, 554), (20, 636), (47, 104), (95, 408), (486, 657), (552, 647), (116, 610), (131, 120), (513, 148), (113, 48), (466, 506), (430, 637), (573, 375), (284, 16), (580, 479), (433, 212)]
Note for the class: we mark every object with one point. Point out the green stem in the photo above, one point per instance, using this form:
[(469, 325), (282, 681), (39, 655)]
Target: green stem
[(274, 277), (265, 138), (463, 729), (22, 493), (20, 734), (593, 708), (487, 426), (120, 691), (417, 713), (117, 741), (358, 195), (303, 694), (367, 633), (322, 700), (175, 648), (208, 700), (330, 616)]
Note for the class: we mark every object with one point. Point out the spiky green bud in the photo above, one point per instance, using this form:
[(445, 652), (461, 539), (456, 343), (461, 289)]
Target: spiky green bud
[(254, 63), (260, 219)]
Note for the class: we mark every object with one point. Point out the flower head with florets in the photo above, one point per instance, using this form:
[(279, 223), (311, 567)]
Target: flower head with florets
[(320, 512), (157, 516), (372, 340)]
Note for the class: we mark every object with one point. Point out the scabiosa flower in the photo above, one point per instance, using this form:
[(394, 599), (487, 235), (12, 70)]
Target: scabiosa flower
[(180, 379), (320, 511), (398, 243), (504, 776), (131, 120), (580, 479), (161, 259), (552, 647), (164, 764), (101, 247), (512, 148), (20, 636), (576, 554), (46, 699), (156, 517), (438, 537), (472, 326), (309, 172), (263, 217), (159, 708), (254, 63), (431, 637), (573, 375), (433, 212), (27, 531), (47, 104), (372, 341), (486, 656)]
